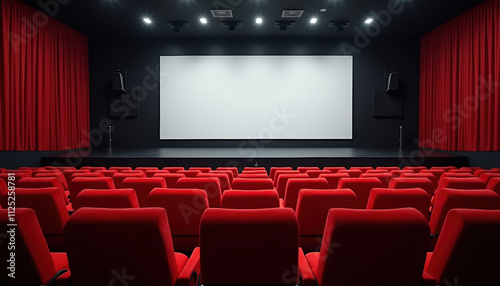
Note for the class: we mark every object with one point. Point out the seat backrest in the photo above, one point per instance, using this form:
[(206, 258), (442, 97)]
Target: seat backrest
[(465, 183), (293, 186), (223, 179), (388, 169), (252, 176), (283, 180), (252, 184), (67, 174), (400, 198), (144, 169), (118, 178), (210, 185), (92, 169), (445, 168), (273, 170), (170, 179), (384, 178), (494, 185), (362, 169), (429, 176), (448, 199), (409, 183), (49, 207), (313, 206), (397, 173), (436, 172), (151, 173), (42, 183), (250, 199), (468, 249), (119, 237), (106, 173), (184, 208), (173, 169), (111, 198), (486, 177), (202, 169), (87, 175), (17, 176), (389, 247), (334, 170), (248, 246), (4, 194), (416, 169), (33, 262), (454, 175), (353, 173), (143, 186), (333, 179), (58, 175), (278, 174), (227, 172), (79, 184), (305, 169), (316, 173), (478, 172), (234, 170), (361, 187), (119, 169)]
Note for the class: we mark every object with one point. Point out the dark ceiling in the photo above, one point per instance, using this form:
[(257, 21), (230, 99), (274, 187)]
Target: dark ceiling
[(124, 18)]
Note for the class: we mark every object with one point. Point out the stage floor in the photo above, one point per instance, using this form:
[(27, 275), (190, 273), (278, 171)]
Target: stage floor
[(266, 157)]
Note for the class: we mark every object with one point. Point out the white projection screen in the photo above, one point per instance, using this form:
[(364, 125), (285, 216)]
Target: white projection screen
[(255, 97)]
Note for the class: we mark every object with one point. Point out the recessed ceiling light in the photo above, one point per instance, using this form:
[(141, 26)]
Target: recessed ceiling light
[(314, 20), (203, 20), (258, 20), (369, 21), (147, 21), (323, 10)]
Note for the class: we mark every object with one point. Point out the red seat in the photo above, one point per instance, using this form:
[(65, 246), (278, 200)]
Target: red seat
[(409, 183), (93, 169), (445, 168), (143, 186), (60, 168), (189, 173), (273, 170), (58, 175), (333, 179), (454, 175), (250, 199), (254, 169), (282, 180), (17, 176), (120, 169), (294, 185), (234, 170), (467, 251), (223, 179), (111, 198), (384, 178), (43, 183), (184, 208), (118, 178), (252, 176), (494, 185), (256, 247), (144, 169), (316, 173), (400, 198), (371, 247), (151, 173), (478, 172), (101, 242), (173, 169), (4, 195), (465, 183), (436, 172), (34, 264), (305, 169), (429, 176), (170, 178), (334, 170), (210, 185), (202, 169), (353, 173), (361, 187), (448, 199), (50, 210), (377, 171), (312, 210), (486, 177), (85, 175), (107, 173), (362, 169), (278, 173), (229, 174), (252, 184), (388, 169), (462, 170), (397, 173), (416, 169), (79, 184)]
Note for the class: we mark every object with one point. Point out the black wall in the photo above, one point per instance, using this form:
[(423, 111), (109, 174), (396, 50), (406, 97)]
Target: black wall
[(140, 59)]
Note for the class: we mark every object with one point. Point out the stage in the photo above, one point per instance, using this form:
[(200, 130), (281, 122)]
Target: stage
[(262, 157)]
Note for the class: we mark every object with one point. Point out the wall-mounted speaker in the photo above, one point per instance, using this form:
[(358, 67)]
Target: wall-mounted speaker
[(117, 82), (393, 82)]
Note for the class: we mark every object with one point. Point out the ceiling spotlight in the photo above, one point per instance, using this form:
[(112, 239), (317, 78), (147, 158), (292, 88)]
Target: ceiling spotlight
[(231, 25), (323, 10), (339, 25), (147, 21), (258, 20), (369, 21), (203, 20), (178, 25), (283, 25), (313, 20)]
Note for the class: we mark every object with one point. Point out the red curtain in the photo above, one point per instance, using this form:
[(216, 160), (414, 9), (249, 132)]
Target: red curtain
[(460, 82), (44, 82)]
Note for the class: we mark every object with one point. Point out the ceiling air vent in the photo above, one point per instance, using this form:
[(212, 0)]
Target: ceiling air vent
[(292, 13), (222, 13)]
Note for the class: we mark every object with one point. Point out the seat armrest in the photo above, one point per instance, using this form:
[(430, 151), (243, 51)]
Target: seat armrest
[(282, 203), (190, 273), (306, 275), (428, 280), (62, 278)]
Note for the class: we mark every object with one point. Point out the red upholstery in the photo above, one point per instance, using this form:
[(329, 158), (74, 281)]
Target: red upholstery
[(466, 183), (254, 169), (494, 185), (86, 175), (416, 169), (26, 171), (278, 173), (353, 173), (384, 178), (112, 198), (38, 171), (34, 263), (293, 186), (361, 187), (170, 179), (210, 185), (252, 176), (119, 169), (202, 169), (184, 208), (227, 172), (249, 246), (448, 199), (273, 170), (144, 169), (151, 173), (93, 169), (58, 175), (436, 172), (407, 183), (43, 183), (118, 178), (462, 170), (371, 247), (283, 180), (305, 169), (132, 172), (486, 177), (478, 172), (312, 210), (189, 173), (50, 210), (103, 241), (143, 186), (250, 199), (4, 193), (107, 173), (454, 175), (60, 168), (173, 169), (223, 179), (18, 176), (400, 198), (468, 249), (234, 170), (316, 173), (334, 170), (429, 176), (333, 179), (362, 169), (389, 169), (252, 184), (79, 184), (377, 171)]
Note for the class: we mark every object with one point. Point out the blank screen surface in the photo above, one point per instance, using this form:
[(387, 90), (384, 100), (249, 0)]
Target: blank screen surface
[(255, 97)]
